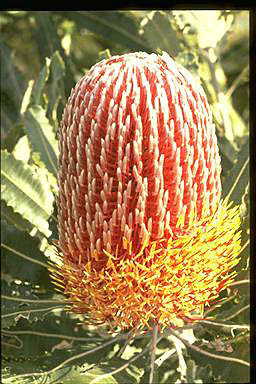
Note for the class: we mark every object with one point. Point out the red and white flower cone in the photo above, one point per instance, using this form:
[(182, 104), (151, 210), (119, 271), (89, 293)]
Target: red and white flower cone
[(143, 232)]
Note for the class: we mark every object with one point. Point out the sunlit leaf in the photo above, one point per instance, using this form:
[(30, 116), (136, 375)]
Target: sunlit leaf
[(22, 149), (208, 26), (14, 218), (10, 308), (12, 87), (237, 179), (26, 192), (41, 136), (40, 82), (55, 89), (12, 262), (118, 26), (157, 30)]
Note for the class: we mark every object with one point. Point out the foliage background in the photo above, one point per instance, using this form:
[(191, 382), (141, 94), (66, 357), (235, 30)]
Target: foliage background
[(43, 54)]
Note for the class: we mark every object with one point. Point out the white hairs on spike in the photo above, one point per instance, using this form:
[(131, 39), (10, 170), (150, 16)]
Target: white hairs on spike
[(119, 198), (127, 151), (105, 238), (105, 207), (123, 223), (123, 101), (149, 225), (130, 220), (88, 227), (99, 170), (119, 174), (119, 211), (108, 247), (113, 130), (114, 217), (98, 245), (110, 184), (167, 219)]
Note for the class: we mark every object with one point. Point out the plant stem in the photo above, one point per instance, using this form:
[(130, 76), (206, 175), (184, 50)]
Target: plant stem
[(153, 353), (203, 352)]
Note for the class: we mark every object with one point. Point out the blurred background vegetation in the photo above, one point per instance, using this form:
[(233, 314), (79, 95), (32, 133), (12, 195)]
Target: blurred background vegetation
[(43, 54)]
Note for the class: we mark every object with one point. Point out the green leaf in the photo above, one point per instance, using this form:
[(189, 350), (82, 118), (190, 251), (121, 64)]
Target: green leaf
[(189, 59), (10, 368), (198, 374), (10, 309), (12, 87), (22, 149), (94, 374), (15, 132), (104, 55), (207, 27), (227, 150), (40, 82), (61, 349), (46, 36), (158, 32), (237, 179), (27, 192), (55, 89), (12, 262), (105, 372), (14, 218), (42, 137), (51, 329), (118, 26)]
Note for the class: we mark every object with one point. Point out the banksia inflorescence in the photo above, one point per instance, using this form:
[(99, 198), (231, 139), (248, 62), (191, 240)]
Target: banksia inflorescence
[(144, 235)]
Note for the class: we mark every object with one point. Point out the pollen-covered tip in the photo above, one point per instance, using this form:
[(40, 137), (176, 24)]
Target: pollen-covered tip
[(143, 233)]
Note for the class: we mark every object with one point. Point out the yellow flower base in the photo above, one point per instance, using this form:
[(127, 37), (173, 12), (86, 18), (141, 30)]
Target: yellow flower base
[(168, 280)]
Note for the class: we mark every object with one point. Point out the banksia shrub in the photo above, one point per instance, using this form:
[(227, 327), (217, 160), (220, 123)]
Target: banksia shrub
[(143, 233)]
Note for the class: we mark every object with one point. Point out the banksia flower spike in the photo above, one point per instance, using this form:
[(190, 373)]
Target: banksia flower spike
[(144, 235)]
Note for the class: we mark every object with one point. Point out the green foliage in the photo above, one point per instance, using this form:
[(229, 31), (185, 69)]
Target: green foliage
[(10, 108), (41, 137), (26, 191), (43, 55), (158, 31), (119, 27)]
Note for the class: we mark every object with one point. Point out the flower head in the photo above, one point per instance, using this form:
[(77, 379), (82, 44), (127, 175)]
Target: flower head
[(144, 234)]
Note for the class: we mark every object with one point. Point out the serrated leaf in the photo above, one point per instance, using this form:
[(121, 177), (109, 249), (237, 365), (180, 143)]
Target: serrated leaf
[(10, 308), (52, 331), (68, 375), (13, 264), (15, 132), (46, 35), (198, 374), (57, 67), (119, 27), (64, 362), (14, 218), (104, 55), (159, 33), (40, 82), (55, 89), (237, 179), (189, 59), (26, 192), (41, 136), (227, 150), (207, 26), (93, 376), (12, 86), (105, 372), (22, 150), (11, 368)]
